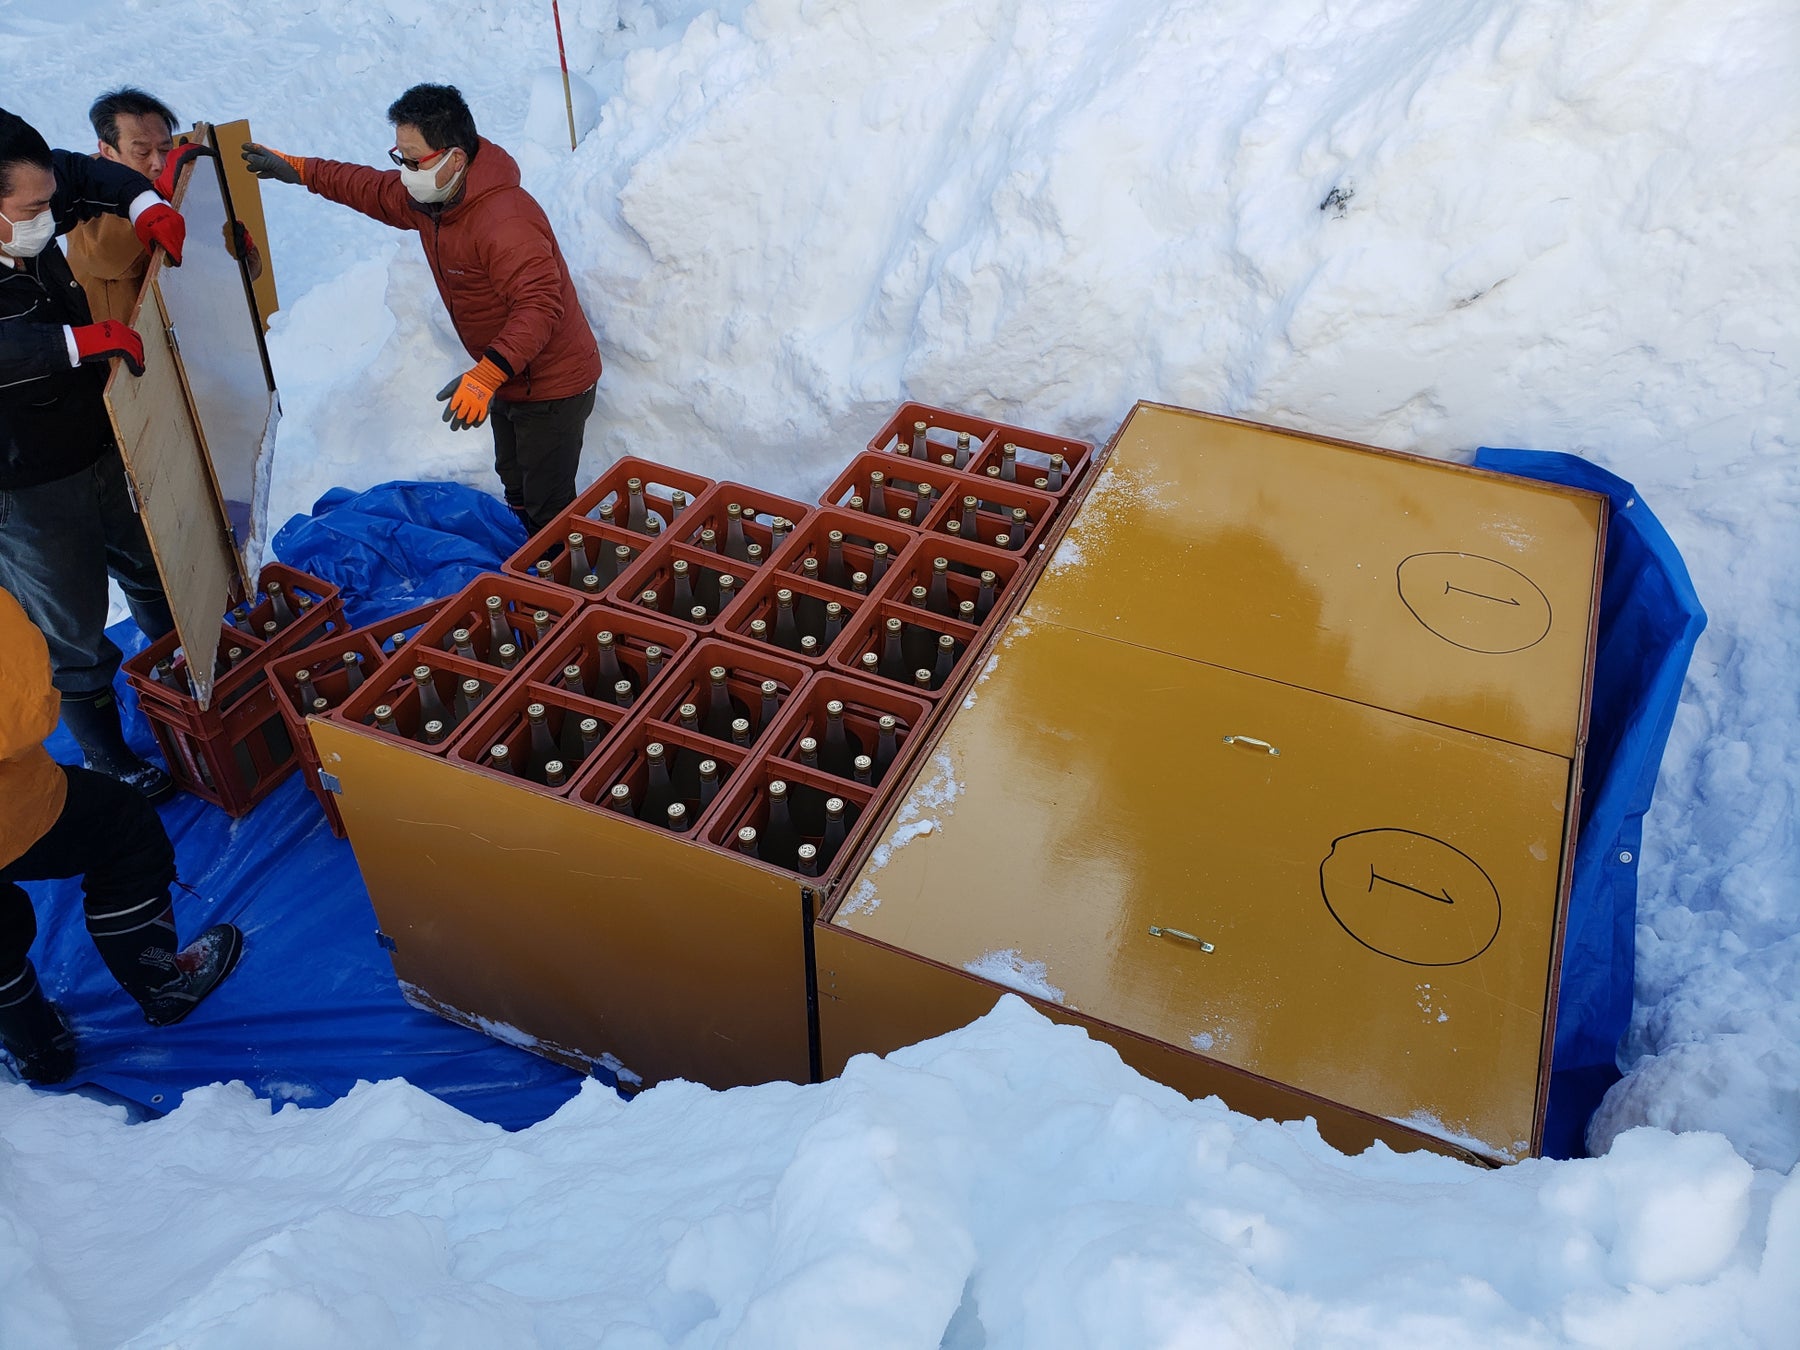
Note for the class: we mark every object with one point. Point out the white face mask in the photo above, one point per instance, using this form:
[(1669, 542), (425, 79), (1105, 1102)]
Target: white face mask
[(29, 237), (421, 184)]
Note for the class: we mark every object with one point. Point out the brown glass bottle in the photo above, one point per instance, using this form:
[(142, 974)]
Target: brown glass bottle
[(353, 671), (737, 546), (659, 793), (499, 630), (542, 746), (430, 705), (893, 658), (834, 559), (780, 843), (887, 744)]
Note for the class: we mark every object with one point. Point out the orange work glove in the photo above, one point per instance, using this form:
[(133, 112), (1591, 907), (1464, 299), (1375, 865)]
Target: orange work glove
[(163, 225), (267, 163), (471, 392)]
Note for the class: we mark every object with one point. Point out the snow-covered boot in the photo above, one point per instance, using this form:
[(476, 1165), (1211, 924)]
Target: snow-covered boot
[(34, 1030), (138, 945), (93, 719)]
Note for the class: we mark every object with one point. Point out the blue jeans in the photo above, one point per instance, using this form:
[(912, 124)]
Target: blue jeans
[(58, 542)]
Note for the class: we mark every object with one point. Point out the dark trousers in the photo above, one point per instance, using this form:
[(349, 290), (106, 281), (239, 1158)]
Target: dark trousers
[(107, 835), (58, 542), (537, 448)]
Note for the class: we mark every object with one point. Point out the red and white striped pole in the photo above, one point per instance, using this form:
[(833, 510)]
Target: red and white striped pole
[(563, 56)]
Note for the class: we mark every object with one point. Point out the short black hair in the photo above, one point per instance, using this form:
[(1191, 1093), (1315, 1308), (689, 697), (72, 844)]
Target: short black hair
[(440, 114), (20, 143), (133, 102)]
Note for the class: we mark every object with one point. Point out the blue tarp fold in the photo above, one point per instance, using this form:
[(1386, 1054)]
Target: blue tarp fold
[(1650, 619)]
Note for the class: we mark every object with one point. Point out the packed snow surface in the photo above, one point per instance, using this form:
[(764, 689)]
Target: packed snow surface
[(1423, 224)]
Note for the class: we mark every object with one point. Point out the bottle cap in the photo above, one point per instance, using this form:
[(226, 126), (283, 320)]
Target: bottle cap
[(534, 711)]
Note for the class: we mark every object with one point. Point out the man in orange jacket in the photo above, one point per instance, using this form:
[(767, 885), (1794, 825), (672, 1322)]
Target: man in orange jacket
[(60, 821), (502, 277)]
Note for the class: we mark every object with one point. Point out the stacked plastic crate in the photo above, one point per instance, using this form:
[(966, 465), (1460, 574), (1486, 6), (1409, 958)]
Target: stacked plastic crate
[(235, 750), (590, 589)]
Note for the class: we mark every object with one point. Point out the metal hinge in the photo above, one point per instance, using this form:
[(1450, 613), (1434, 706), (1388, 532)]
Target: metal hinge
[(386, 943), (330, 782)]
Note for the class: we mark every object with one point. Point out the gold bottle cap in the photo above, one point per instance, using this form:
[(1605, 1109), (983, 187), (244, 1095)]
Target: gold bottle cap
[(870, 661), (654, 750), (634, 485), (809, 645), (535, 712), (677, 813), (590, 726), (494, 604), (834, 806), (383, 712), (472, 687), (834, 708), (679, 567), (499, 753), (740, 726), (603, 638), (777, 788), (835, 537), (421, 674), (769, 687), (648, 599), (620, 792), (946, 642), (687, 712), (808, 746), (888, 722), (709, 768), (940, 564), (733, 511)]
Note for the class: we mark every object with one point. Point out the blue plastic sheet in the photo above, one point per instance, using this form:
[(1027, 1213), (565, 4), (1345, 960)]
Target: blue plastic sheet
[(1650, 619), (314, 1006)]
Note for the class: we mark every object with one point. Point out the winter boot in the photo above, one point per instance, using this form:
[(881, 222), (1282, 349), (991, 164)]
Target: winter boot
[(34, 1031), (93, 719), (138, 945)]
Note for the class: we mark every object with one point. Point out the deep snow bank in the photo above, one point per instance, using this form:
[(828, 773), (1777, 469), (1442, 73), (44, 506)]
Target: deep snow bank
[(1010, 1185)]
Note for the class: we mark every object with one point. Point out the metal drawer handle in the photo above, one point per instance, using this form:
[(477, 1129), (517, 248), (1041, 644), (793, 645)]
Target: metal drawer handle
[(1251, 740), (1181, 936)]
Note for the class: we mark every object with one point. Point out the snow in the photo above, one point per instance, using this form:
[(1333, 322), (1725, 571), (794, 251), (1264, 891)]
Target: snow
[(1422, 225)]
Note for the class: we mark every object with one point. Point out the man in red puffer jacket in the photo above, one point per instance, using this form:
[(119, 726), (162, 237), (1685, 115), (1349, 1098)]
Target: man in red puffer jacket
[(501, 276)]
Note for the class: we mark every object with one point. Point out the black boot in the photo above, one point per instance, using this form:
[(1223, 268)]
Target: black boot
[(34, 1031), (138, 945), (93, 719)]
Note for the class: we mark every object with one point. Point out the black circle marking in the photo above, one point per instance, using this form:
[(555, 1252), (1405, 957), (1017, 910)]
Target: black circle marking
[(1410, 897), (1477, 603)]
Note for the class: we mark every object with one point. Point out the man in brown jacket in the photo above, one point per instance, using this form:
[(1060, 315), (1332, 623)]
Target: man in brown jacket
[(137, 130), (502, 277), (60, 821)]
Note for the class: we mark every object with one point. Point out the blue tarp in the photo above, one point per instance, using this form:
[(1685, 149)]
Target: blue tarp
[(1650, 619), (314, 1006)]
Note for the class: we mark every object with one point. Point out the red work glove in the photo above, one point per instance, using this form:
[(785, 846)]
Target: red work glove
[(162, 224), (240, 243), (103, 341), (471, 392), (181, 154)]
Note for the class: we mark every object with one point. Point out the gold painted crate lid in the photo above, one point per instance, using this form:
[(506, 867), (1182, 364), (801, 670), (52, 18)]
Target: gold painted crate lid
[(1435, 590), (1223, 782)]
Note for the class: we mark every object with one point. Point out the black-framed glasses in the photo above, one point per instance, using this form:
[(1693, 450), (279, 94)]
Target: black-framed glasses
[(424, 162)]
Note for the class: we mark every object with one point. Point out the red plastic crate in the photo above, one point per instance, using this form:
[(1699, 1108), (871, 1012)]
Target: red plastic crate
[(747, 667), (239, 757), (551, 545), (967, 563), (395, 687), (857, 478), (467, 609), (994, 501), (634, 632), (745, 802), (987, 438), (810, 599), (654, 573), (624, 761), (502, 720), (869, 635), (659, 481), (861, 532), (323, 618), (865, 702)]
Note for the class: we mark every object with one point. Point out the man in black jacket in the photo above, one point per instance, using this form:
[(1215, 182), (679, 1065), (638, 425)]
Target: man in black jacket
[(66, 518)]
